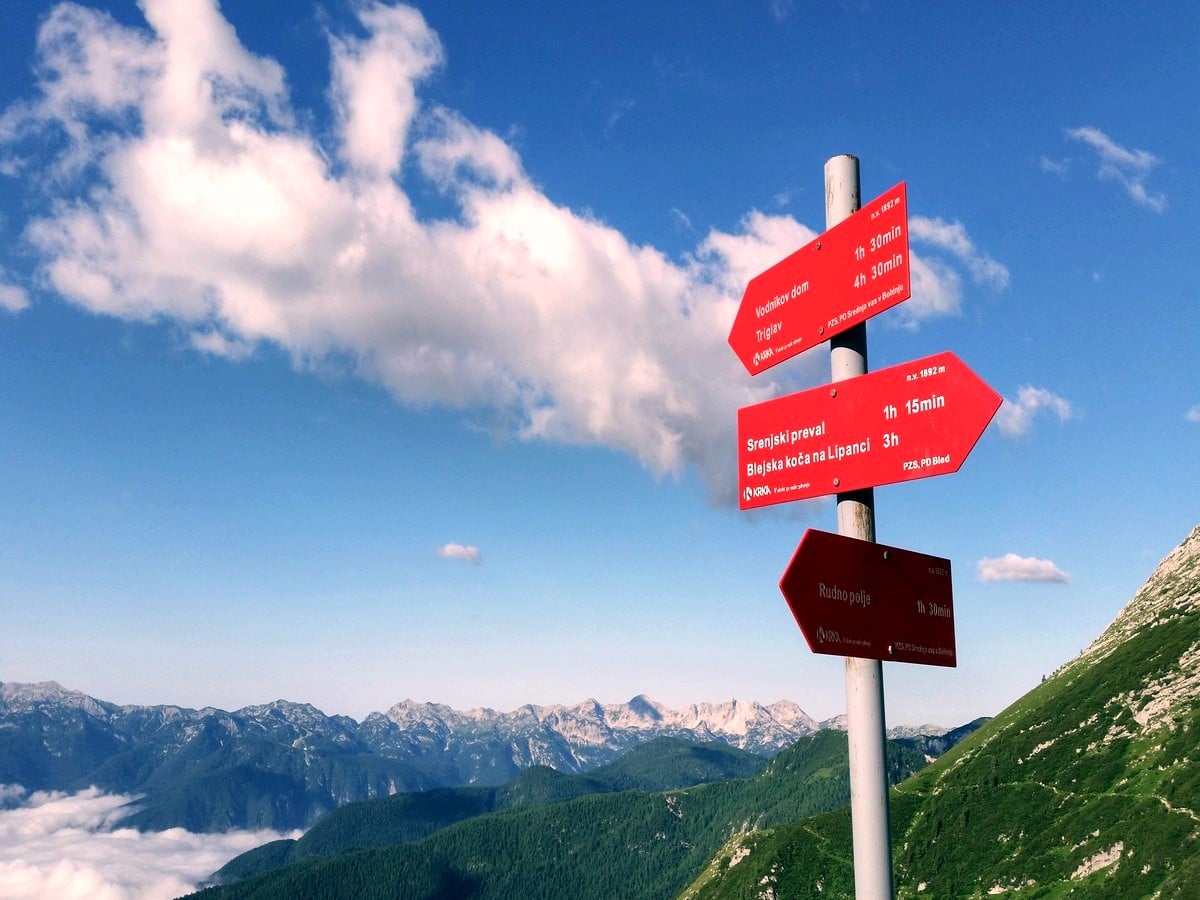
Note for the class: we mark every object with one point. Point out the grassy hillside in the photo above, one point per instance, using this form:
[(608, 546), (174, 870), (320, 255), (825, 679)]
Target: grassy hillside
[(661, 764), (1087, 786), (630, 844)]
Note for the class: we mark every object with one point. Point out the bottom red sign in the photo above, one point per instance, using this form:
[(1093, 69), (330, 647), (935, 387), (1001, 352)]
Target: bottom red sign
[(858, 598)]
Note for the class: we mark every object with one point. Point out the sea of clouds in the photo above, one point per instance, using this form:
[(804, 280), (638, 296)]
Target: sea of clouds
[(72, 847)]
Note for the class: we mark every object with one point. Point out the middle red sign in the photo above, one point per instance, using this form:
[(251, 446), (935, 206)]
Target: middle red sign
[(910, 421)]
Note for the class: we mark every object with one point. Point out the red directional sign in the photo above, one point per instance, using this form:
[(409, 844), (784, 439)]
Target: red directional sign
[(858, 598), (855, 270), (911, 421)]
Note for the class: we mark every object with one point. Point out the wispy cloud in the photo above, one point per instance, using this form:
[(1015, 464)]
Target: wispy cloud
[(71, 847), (781, 10), (936, 283), (1012, 567), (12, 298), (1054, 166), (953, 237), (620, 110), (1015, 417), (682, 220), (1193, 414), (461, 551), (212, 341), (1128, 168)]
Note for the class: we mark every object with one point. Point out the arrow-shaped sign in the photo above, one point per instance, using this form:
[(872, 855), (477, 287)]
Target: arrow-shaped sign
[(855, 270), (858, 598), (910, 421)]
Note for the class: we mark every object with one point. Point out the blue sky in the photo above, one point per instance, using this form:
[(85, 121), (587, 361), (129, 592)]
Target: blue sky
[(361, 352)]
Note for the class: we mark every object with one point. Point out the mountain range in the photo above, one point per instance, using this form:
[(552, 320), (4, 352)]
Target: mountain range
[(1087, 786), (284, 765)]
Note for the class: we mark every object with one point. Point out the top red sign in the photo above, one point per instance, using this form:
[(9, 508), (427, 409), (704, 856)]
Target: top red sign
[(855, 270)]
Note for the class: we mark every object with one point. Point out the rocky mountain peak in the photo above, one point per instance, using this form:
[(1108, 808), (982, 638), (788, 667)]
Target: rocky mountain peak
[(411, 712), (16, 696), (788, 713), (644, 707), (285, 710), (1172, 588)]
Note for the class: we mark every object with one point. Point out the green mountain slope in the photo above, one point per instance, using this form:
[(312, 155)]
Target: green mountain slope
[(630, 844), (1087, 786), (662, 764)]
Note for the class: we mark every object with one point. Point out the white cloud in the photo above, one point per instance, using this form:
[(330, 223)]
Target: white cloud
[(89, 64), (374, 84), (1015, 417), (12, 298), (1128, 168), (781, 10), (461, 551), (936, 291), (681, 219), (731, 260), (1054, 166), (953, 237), (936, 284), (11, 794), (453, 150), (70, 847), (1011, 567), (620, 110), (186, 190), (212, 341), (1193, 414)]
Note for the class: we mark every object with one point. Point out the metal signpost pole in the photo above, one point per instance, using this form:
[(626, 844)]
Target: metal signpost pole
[(870, 816)]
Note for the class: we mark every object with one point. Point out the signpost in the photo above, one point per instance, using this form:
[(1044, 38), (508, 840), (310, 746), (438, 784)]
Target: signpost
[(866, 734), (849, 595), (858, 598), (909, 421), (855, 270)]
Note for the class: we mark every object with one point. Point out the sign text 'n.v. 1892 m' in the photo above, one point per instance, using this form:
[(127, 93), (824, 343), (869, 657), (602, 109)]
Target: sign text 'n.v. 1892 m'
[(859, 598), (906, 422), (855, 270)]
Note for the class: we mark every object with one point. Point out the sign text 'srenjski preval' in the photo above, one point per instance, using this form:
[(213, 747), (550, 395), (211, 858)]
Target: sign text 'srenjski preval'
[(906, 422)]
